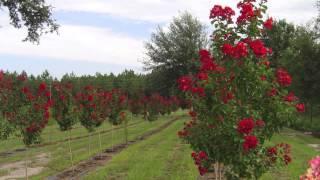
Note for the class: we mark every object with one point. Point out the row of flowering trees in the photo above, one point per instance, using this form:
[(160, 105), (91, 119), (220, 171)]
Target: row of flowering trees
[(238, 100), (26, 107)]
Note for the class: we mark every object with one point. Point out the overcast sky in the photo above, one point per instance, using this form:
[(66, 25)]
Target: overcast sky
[(108, 35)]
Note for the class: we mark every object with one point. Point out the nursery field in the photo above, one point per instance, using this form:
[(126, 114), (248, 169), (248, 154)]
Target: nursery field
[(166, 157), (162, 155), (52, 156)]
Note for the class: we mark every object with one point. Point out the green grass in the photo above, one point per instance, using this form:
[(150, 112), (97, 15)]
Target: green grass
[(162, 156), (305, 123), (3, 173), (59, 153), (301, 154)]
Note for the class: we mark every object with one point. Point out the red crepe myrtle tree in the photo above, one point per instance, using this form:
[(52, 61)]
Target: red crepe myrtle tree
[(64, 108), (238, 101), (90, 116), (27, 107), (6, 105), (117, 104)]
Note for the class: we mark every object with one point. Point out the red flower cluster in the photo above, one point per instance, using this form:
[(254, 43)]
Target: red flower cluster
[(239, 51), (246, 11), (202, 76), (207, 63), (193, 114), (185, 83), (199, 158), (223, 13), (283, 77), (268, 23), (198, 91), (260, 123), (245, 126), (258, 48), (279, 151), (300, 107), (290, 97), (272, 92), (42, 87), (227, 96), (250, 142)]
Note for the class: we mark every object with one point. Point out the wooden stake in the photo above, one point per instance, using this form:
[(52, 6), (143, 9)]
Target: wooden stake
[(26, 163), (89, 143), (100, 144), (112, 137), (70, 150)]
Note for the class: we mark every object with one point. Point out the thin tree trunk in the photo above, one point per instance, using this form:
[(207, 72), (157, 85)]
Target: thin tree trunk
[(26, 163), (311, 113), (112, 137), (70, 150)]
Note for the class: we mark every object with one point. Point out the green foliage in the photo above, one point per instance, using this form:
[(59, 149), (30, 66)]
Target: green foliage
[(35, 15), (170, 53)]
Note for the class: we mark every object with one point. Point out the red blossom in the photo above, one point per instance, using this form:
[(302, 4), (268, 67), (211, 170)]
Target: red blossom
[(287, 159), (185, 83), (240, 50), (300, 107), (250, 142), (246, 11), (90, 98), (25, 90), (227, 96), (204, 53), (268, 23), (258, 48), (263, 78), (202, 170), (260, 123), (272, 151), (192, 113), (272, 92), (227, 49), (203, 155), (48, 94), (199, 91), (223, 13), (290, 97), (266, 63), (1, 75), (202, 76), (245, 126), (283, 77), (42, 87)]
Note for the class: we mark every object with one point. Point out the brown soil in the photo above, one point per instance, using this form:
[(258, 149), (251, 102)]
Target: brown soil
[(17, 169), (101, 159)]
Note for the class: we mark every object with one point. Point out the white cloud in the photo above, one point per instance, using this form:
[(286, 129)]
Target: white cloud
[(297, 11), (95, 44), (75, 43)]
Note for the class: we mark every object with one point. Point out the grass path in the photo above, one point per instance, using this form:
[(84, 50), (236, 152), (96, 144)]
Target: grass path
[(302, 152), (162, 156), (59, 157)]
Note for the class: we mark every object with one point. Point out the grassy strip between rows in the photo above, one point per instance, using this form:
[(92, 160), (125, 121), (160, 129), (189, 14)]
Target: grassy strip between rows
[(60, 158), (52, 134), (163, 156), (302, 152)]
